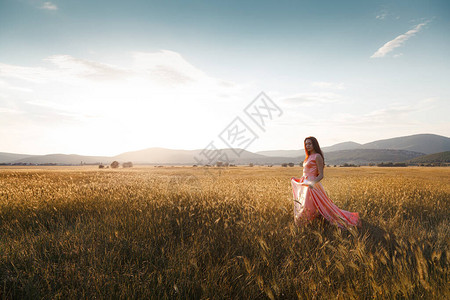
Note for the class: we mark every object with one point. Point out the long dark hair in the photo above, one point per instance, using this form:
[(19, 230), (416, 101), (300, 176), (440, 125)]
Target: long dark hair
[(315, 146)]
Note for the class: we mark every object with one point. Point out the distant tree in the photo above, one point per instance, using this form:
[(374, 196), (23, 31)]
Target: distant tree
[(284, 165), (349, 165), (400, 165), (100, 166), (250, 165), (219, 164), (115, 164), (127, 164), (291, 164)]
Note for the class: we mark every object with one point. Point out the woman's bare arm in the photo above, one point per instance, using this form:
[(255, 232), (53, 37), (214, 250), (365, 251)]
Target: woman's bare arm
[(320, 165)]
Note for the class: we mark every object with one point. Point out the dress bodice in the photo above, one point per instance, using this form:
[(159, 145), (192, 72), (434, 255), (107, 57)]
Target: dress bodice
[(310, 170)]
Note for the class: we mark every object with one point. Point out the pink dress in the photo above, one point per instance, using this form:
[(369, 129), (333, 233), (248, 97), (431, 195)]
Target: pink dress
[(309, 203)]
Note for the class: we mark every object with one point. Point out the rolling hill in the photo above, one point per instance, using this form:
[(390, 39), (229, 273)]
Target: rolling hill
[(401, 149), (64, 159), (281, 153), (367, 156), (425, 143), (12, 157), (422, 143), (199, 156), (296, 153), (441, 157)]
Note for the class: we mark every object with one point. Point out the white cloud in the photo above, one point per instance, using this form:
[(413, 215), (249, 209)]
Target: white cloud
[(75, 67), (381, 16), (383, 13), (7, 86), (394, 115), (310, 99), (36, 74), (167, 67), (49, 6), (163, 68), (68, 69), (329, 85), (398, 41), (7, 110), (158, 99)]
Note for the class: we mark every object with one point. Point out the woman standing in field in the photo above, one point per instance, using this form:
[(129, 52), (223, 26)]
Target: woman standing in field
[(310, 198)]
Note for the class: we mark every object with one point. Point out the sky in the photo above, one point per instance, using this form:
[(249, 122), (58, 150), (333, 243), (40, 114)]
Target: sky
[(107, 77)]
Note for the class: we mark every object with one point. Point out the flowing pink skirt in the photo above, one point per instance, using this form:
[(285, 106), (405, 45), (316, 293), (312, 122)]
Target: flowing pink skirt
[(309, 203)]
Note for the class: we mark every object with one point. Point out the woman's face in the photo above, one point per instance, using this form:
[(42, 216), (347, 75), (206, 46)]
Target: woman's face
[(309, 146)]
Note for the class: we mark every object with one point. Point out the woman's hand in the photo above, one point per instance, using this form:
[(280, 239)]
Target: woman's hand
[(309, 184)]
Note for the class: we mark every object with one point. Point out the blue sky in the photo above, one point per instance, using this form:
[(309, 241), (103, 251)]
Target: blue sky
[(104, 77)]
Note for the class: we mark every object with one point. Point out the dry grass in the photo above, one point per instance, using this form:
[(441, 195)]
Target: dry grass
[(181, 232)]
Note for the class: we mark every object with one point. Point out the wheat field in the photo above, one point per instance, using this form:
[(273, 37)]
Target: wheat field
[(220, 233)]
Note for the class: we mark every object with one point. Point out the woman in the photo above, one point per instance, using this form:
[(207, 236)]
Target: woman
[(310, 198)]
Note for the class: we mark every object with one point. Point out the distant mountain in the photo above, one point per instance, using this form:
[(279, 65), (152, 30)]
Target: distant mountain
[(10, 157), (297, 153), (425, 143), (442, 157), (158, 156), (199, 156), (242, 157), (366, 156), (281, 153), (342, 146), (64, 159), (169, 156), (399, 149)]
